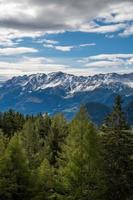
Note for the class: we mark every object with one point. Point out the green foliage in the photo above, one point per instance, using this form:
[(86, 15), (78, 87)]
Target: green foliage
[(118, 152), (31, 142), (48, 158), (44, 185), (44, 125), (14, 172), (3, 143), (11, 122), (116, 120), (81, 164), (55, 139)]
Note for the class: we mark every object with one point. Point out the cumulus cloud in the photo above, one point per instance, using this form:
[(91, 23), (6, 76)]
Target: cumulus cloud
[(105, 63), (67, 48), (128, 31), (54, 15), (95, 28), (117, 13), (11, 37), (111, 57), (34, 18), (52, 42), (17, 50), (64, 48), (59, 48), (109, 62), (31, 65)]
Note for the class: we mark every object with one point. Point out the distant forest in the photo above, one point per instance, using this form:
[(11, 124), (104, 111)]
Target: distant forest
[(48, 158)]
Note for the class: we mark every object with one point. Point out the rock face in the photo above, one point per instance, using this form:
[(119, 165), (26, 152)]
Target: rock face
[(61, 92)]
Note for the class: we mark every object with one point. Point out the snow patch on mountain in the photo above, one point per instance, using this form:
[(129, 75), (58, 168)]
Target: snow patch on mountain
[(69, 83)]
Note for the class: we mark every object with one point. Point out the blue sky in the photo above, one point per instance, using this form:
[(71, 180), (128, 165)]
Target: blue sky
[(79, 37)]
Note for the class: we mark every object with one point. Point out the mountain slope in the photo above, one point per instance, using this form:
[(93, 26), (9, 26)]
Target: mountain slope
[(97, 112), (60, 92)]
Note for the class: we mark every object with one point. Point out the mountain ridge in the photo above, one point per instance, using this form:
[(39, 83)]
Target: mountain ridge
[(62, 92), (60, 79)]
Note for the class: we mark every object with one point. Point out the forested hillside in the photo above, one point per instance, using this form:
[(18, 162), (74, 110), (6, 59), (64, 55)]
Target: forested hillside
[(49, 158)]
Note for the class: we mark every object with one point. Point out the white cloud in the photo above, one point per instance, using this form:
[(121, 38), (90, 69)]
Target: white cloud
[(49, 46), (112, 57), (95, 28), (54, 15), (67, 48), (59, 48), (103, 64), (64, 48), (117, 13), (120, 13), (127, 32), (35, 18), (120, 63), (17, 50), (87, 45), (47, 41), (31, 18), (29, 65), (8, 35)]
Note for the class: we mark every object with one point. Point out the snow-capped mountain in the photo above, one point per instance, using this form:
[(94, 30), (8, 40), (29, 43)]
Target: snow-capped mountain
[(70, 83), (61, 92)]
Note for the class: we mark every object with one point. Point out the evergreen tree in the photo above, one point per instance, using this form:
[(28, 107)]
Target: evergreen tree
[(31, 142), (11, 122), (14, 172), (118, 152), (44, 182), (3, 143), (55, 139), (80, 171), (44, 127), (116, 120)]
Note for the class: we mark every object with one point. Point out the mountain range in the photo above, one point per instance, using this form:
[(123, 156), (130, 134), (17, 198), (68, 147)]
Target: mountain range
[(61, 92)]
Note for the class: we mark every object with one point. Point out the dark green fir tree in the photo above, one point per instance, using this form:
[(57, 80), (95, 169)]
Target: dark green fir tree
[(118, 155)]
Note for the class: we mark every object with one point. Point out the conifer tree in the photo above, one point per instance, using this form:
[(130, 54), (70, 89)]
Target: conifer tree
[(116, 120), (11, 122), (14, 172), (80, 171), (118, 152), (55, 139), (31, 142), (43, 182), (44, 127), (3, 143)]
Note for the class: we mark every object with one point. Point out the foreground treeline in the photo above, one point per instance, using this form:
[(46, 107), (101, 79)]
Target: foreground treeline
[(47, 158)]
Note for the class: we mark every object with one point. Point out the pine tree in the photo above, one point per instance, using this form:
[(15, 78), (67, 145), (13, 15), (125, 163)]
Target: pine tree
[(80, 171), (118, 152), (14, 172)]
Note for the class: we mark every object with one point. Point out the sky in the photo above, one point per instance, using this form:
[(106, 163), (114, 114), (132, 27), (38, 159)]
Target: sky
[(78, 37)]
